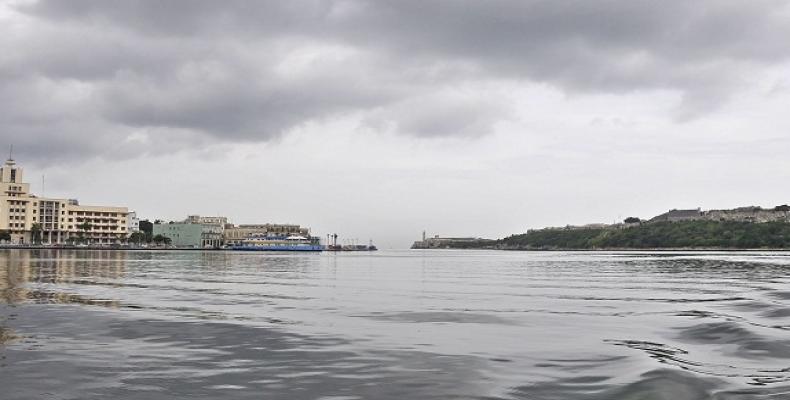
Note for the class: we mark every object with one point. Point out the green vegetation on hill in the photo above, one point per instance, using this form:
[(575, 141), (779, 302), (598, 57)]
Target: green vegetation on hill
[(688, 234)]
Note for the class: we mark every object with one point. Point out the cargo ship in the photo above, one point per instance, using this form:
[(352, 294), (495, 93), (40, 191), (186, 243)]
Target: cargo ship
[(278, 243)]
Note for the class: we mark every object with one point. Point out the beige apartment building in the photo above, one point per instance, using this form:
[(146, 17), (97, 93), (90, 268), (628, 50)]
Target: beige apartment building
[(59, 221)]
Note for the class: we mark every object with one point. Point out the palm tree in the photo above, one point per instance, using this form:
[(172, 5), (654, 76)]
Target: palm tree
[(137, 238), (84, 228), (35, 233)]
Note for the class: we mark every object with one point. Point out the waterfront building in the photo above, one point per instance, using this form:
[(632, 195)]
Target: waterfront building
[(199, 231), (132, 222), (29, 218), (181, 234), (235, 235), (147, 227), (187, 234)]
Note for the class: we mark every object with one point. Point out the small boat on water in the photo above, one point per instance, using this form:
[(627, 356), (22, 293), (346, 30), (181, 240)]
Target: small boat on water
[(278, 243)]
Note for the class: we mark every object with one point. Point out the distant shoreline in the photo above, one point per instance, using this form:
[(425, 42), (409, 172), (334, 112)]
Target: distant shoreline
[(688, 249), (557, 250), (207, 249), (35, 247)]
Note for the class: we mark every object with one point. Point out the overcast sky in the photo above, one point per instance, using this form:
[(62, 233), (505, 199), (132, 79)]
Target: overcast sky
[(382, 119)]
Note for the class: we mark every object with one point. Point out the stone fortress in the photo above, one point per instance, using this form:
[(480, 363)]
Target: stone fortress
[(741, 214)]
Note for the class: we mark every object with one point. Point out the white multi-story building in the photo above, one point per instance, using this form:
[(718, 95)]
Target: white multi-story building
[(29, 218), (132, 222)]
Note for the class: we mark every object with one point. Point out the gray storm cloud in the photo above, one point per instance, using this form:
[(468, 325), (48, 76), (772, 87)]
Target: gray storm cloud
[(116, 78)]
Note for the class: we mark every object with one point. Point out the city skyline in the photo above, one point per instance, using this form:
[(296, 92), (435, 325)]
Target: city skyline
[(383, 120)]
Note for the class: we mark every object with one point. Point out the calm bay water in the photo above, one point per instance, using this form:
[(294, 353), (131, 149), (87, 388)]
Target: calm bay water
[(394, 325)]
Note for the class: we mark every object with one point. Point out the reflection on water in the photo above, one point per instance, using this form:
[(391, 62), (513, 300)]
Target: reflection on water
[(56, 267), (437, 324), (6, 335)]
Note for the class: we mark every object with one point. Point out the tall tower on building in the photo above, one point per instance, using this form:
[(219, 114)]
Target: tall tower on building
[(10, 173), (14, 201)]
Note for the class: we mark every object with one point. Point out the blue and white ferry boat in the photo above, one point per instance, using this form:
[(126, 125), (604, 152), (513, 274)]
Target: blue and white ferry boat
[(278, 243)]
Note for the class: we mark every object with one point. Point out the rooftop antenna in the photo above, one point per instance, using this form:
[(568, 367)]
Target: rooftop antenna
[(11, 153), (43, 187)]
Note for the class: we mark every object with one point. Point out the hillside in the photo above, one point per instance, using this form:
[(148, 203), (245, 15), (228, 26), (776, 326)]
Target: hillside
[(684, 234)]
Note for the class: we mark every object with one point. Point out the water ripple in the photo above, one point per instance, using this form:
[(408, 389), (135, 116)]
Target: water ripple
[(392, 325)]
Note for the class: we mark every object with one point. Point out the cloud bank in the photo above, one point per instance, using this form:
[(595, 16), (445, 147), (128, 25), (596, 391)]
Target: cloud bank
[(89, 78)]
